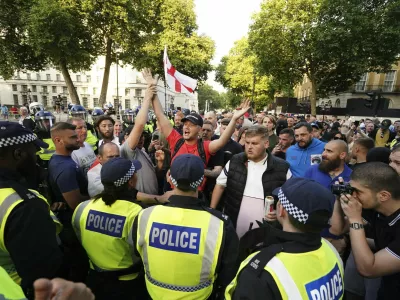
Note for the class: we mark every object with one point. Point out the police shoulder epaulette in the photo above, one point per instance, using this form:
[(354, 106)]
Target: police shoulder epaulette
[(218, 214)]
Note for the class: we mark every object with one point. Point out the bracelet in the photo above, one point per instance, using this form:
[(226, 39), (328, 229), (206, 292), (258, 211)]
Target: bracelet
[(357, 226)]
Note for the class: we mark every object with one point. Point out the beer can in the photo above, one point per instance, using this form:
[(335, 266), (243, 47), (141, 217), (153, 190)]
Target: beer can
[(269, 205)]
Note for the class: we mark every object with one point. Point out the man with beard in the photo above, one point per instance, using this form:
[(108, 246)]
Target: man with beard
[(178, 122), (332, 166), (28, 245), (306, 152), (105, 126)]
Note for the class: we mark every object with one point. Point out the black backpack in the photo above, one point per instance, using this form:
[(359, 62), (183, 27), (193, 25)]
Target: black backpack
[(200, 149)]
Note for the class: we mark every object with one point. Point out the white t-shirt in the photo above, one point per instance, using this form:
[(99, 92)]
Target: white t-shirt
[(84, 157), (252, 206), (115, 141)]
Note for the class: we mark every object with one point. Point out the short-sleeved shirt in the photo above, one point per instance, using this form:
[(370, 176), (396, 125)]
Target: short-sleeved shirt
[(84, 157), (65, 176), (174, 137), (385, 231), (147, 178)]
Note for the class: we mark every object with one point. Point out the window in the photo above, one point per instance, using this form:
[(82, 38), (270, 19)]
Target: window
[(127, 103), (88, 78), (48, 77), (24, 88), (14, 87), (138, 93), (15, 97), (54, 89), (35, 98), (94, 91), (138, 79), (360, 85), (37, 76), (65, 90), (127, 92), (17, 76), (44, 100), (44, 89), (24, 98), (337, 102), (84, 90), (95, 102), (58, 77), (34, 88), (78, 78), (28, 76), (85, 101), (389, 81)]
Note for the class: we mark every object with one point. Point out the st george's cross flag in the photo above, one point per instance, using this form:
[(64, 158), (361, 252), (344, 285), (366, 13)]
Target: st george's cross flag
[(176, 81)]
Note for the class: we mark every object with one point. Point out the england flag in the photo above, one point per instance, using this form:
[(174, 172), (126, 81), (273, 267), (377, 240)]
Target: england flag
[(176, 81)]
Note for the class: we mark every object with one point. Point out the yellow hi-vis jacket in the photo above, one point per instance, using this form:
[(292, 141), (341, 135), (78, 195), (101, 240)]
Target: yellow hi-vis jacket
[(46, 154), (91, 139), (314, 275), (9, 199), (104, 232), (179, 248), (9, 290)]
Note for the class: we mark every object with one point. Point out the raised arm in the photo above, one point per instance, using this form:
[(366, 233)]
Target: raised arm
[(141, 118), (230, 129)]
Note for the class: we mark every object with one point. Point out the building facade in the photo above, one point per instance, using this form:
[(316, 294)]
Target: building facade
[(45, 86), (388, 83)]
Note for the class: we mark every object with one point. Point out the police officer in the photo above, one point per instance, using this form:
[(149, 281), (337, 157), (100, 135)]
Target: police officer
[(28, 243), (103, 226), (79, 111), (299, 264), (44, 121), (128, 118), (189, 251)]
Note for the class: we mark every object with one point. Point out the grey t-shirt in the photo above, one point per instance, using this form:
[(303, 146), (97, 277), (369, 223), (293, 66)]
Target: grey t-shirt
[(147, 179), (84, 157)]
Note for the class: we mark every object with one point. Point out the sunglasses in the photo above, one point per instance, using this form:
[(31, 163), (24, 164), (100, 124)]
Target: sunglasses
[(337, 138)]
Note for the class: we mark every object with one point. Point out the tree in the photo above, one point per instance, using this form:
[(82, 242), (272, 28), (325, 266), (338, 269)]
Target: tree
[(16, 53), (56, 31), (332, 42), (176, 27), (206, 92), (237, 73)]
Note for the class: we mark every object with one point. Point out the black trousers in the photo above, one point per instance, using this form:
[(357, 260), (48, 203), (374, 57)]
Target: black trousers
[(107, 287)]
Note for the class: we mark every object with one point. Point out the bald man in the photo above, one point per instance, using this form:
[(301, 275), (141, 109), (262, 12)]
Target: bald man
[(212, 117), (332, 166)]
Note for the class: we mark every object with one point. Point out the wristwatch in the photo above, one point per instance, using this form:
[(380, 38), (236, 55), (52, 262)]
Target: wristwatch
[(356, 226)]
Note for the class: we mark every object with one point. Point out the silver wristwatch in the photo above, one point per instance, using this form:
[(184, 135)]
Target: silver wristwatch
[(356, 226)]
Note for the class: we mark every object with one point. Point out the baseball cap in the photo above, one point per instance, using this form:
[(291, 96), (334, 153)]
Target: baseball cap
[(386, 124), (196, 119), (315, 125), (118, 171), (304, 198), (13, 133), (187, 171)]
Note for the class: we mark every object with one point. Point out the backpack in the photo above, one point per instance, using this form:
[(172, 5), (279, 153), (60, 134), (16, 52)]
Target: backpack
[(200, 149)]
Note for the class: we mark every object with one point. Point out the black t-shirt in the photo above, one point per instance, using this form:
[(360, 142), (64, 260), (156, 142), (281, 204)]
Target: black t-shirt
[(386, 234), (215, 160)]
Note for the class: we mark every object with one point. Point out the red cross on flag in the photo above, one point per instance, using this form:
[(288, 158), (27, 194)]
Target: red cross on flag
[(176, 81)]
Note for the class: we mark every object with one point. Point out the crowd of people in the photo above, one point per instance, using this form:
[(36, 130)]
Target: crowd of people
[(198, 205)]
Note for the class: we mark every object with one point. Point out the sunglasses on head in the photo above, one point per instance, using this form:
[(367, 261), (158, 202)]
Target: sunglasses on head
[(337, 138)]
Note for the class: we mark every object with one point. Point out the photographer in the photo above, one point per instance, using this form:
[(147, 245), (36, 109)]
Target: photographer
[(374, 187)]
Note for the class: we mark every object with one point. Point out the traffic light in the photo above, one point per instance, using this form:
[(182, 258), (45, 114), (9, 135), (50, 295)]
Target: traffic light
[(370, 102)]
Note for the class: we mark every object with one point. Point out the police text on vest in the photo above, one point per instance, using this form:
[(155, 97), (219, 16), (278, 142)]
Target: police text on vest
[(175, 238), (105, 223), (328, 287)]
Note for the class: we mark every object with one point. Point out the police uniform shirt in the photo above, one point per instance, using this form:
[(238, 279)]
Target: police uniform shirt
[(251, 287), (227, 262)]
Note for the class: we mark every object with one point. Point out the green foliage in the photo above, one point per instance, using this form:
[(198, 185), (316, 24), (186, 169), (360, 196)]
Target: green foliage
[(175, 27), (206, 92), (332, 42)]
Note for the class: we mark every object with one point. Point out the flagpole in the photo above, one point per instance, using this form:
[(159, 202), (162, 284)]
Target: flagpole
[(165, 86), (165, 79)]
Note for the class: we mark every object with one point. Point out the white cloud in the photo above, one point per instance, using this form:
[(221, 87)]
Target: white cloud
[(225, 21)]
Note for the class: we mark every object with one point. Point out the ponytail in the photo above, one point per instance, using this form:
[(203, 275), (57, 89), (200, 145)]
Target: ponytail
[(110, 194)]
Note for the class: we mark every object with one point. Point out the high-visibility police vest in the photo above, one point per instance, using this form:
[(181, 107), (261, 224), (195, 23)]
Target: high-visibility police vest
[(148, 128), (91, 140), (46, 154), (9, 199), (393, 143), (179, 248), (99, 226), (9, 290), (315, 275)]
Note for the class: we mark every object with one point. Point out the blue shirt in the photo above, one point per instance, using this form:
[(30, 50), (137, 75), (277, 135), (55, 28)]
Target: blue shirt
[(65, 176)]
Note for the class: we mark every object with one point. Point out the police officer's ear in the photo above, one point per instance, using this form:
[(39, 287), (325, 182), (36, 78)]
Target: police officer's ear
[(132, 182)]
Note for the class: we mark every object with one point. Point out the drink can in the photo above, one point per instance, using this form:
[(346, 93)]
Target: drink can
[(269, 205)]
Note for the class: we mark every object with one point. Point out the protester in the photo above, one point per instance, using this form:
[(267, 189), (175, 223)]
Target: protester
[(286, 139), (26, 118), (105, 127), (394, 159), (360, 150), (270, 123)]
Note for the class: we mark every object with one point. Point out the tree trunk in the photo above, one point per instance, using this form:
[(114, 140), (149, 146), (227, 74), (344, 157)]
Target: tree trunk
[(104, 85), (70, 85), (313, 97)]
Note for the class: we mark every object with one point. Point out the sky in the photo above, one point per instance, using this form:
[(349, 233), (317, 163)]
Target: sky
[(225, 21)]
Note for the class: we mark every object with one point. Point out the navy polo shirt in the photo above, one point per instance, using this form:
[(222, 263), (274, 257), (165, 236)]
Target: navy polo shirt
[(324, 178)]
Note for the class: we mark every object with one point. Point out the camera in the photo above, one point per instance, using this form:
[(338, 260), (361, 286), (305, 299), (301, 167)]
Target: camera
[(342, 188)]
